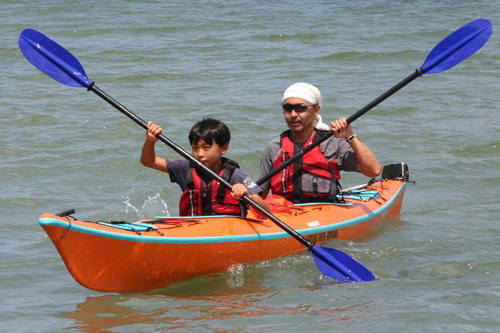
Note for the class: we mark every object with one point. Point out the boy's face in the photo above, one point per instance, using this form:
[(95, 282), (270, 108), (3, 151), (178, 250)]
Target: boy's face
[(209, 155)]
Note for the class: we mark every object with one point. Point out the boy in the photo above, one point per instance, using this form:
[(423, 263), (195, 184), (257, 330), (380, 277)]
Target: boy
[(209, 139)]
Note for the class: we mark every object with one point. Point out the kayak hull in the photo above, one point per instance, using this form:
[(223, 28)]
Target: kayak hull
[(108, 258)]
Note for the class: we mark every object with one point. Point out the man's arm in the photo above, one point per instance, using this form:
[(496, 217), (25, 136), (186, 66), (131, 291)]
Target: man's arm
[(368, 164)]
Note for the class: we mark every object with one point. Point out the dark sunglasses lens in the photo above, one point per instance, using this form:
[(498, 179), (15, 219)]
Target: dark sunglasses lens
[(296, 107)]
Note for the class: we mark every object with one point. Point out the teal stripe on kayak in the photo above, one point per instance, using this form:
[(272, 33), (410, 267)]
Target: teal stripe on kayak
[(216, 239)]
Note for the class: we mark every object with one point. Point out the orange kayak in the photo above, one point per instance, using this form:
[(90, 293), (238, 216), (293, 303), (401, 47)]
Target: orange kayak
[(153, 254)]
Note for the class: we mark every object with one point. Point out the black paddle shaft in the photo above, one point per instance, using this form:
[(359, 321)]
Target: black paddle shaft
[(301, 152), (205, 169)]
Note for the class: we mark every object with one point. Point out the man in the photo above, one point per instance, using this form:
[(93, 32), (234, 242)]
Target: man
[(313, 178)]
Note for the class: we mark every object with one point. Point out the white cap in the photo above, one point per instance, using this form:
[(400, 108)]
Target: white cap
[(309, 93), (305, 91)]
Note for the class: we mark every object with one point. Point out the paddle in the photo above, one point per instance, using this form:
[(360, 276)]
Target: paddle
[(61, 65), (448, 53)]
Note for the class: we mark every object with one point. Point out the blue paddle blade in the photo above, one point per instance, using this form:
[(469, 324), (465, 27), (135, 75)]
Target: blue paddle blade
[(458, 46), (52, 59), (340, 266)]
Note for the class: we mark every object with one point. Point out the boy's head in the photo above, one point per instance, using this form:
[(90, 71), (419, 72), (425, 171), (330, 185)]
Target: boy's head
[(210, 130)]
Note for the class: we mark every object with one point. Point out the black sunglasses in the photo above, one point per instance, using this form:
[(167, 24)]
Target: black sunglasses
[(297, 107)]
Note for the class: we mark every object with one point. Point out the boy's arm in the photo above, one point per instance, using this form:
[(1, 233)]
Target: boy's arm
[(148, 155), (264, 193), (258, 199)]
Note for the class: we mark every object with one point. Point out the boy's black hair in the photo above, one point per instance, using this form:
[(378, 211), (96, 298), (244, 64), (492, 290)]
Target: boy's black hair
[(210, 130)]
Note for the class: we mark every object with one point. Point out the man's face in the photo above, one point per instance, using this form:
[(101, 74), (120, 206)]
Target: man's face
[(300, 121)]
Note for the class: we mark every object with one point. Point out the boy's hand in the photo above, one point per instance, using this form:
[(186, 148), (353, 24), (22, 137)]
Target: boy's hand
[(153, 131), (239, 190)]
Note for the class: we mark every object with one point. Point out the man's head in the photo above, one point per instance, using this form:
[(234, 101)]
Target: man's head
[(301, 105)]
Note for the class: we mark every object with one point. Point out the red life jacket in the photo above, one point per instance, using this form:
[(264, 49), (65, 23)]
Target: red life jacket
[(200, 199), (311, 178)]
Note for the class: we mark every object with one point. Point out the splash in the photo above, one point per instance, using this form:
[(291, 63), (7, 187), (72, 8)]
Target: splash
[(152, 206), (235, 278)]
